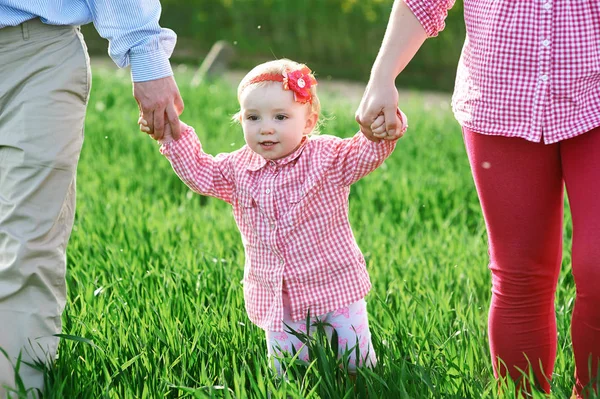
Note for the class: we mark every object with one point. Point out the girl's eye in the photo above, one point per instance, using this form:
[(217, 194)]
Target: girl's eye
[(252, 117), (281, 117)]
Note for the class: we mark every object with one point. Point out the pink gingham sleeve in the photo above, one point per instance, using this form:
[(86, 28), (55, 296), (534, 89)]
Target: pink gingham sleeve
[(354, 158), (431, 14), (201, 172)]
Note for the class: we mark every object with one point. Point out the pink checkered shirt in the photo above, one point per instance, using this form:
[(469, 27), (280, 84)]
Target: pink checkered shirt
[(528, 69), (293, 217)]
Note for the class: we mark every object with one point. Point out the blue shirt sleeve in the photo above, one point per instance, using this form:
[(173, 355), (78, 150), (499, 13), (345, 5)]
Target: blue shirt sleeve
[(135, 36)]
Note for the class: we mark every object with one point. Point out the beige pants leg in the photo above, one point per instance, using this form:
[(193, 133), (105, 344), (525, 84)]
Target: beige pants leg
[(44, 88)]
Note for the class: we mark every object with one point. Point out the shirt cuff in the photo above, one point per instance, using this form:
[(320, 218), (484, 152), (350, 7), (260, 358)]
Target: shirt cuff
[(149, 66), (188, 136)]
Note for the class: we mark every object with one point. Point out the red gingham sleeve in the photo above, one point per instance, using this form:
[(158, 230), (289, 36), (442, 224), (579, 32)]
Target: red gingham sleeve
[(431, 13), (203, 173), (354, 158)]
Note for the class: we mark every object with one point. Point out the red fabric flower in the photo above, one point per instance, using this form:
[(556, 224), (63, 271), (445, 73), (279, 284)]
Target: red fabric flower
[(300, 81)]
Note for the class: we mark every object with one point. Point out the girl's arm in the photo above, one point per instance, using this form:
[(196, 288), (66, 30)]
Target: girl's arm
[(203, 173), (410, 23), (353, 158)]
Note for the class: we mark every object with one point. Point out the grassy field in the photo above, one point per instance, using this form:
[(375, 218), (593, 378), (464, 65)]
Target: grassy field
[(155, 304)]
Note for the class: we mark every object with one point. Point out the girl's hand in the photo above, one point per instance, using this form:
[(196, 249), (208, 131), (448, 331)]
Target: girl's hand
[(380, 98), (144, 125), (379, 126), (167, 137)]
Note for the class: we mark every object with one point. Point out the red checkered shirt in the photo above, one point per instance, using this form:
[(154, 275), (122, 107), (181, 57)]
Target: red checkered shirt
[(528, 69), (293, 217)]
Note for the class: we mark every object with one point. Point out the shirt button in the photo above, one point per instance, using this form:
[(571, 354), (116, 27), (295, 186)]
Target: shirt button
[(281, 261), (268, 191), (548, 6), (546, 43), (544, 78)]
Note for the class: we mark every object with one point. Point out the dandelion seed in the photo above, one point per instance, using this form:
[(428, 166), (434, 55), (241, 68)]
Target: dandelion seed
[(100, 106), (486, 165), (258, 27), (98, 291), (235, 42), (105, 137)]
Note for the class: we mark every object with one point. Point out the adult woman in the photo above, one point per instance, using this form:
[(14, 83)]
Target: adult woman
[(527, 96)]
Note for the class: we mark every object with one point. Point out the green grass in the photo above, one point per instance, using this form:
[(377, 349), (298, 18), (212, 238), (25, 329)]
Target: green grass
[(154, 272)]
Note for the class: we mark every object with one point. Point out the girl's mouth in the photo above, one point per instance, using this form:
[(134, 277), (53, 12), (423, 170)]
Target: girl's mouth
[(267, 143)]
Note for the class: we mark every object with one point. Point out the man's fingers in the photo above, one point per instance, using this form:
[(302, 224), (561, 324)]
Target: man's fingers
[(178, 103), (159, 124), (173, 122), (168, 133)]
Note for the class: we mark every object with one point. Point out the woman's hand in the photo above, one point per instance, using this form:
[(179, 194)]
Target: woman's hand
[(380, 99)]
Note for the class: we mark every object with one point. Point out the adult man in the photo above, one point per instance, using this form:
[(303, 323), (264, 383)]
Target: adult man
[(44, 88)]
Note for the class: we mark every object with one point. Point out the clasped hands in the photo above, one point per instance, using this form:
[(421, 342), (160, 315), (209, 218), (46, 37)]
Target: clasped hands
[(160, 105)]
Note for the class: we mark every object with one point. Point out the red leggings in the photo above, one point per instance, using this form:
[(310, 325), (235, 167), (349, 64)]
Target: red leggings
[(520, 187)]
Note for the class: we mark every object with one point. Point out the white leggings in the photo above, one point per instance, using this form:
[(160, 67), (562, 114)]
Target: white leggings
[(350, 322)]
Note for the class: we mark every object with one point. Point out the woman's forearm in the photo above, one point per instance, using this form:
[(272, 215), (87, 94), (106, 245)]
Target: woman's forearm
[(403, 37)]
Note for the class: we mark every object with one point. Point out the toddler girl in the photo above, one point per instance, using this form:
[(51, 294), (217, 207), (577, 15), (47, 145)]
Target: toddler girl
[(289, 193)]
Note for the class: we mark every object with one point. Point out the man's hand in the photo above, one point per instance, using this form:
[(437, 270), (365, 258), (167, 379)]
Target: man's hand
[(160, 104)]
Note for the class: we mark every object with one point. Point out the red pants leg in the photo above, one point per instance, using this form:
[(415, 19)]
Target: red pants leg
[(581, 171), (520, 187)]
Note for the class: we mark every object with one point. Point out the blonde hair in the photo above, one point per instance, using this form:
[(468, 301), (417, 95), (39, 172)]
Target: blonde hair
[(276, 67)]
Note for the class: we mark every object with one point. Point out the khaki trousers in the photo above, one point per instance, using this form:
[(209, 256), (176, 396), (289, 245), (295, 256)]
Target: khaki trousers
[(44, 87)]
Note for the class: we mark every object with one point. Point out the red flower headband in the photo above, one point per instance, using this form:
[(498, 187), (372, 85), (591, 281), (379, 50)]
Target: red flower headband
[(299, 82)]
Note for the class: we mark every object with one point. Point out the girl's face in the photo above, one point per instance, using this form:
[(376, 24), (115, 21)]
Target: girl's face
[(273, 122)]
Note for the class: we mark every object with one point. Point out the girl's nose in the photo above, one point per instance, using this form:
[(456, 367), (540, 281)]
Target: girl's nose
[(267, 129)]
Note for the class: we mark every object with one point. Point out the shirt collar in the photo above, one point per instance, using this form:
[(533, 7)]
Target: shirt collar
[(257, 162)]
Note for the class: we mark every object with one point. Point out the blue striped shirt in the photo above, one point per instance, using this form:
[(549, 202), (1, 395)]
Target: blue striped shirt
[(131, 27)]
